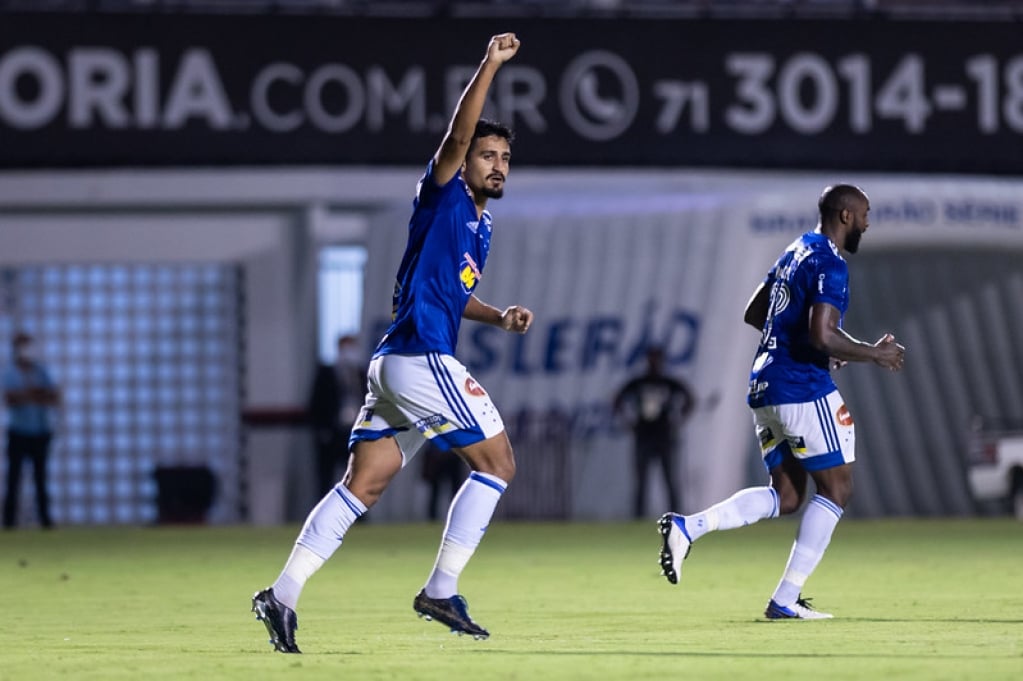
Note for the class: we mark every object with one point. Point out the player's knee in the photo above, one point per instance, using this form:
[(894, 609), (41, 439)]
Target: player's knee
[(789, 502), (367, 494), (841, 493), (495, 457), (367, 488), (837, 487), (504, 468)]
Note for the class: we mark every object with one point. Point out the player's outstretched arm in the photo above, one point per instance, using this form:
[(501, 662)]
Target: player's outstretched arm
[(515, 318), (828, 337), (451, 153)]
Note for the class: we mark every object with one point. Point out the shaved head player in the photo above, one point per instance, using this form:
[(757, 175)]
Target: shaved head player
[(801, 420)]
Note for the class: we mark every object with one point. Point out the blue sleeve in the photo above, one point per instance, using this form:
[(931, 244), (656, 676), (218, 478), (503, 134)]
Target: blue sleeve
[(428, 193), (831, 281)]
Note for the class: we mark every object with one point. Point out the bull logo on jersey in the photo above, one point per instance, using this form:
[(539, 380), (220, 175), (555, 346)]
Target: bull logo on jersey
[(469, 273), (474, 388), (843, 416)]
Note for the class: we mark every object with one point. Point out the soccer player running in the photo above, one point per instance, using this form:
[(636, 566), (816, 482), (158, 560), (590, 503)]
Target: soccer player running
[(417, 390), (801, 421)]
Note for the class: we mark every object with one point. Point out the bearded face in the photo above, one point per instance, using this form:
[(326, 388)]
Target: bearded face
[(486, 166), (852, 241), (860, 224)]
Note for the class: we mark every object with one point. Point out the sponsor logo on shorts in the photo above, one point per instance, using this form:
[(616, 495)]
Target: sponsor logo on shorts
[(843, 416), (367, 418), (766, 436), (474, 388), (433, 425), (797, 445)]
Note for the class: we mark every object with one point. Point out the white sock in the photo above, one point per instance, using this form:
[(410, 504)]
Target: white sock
[(321, 536), (301, 565), (815, 529), (745, 507), (468, 518)]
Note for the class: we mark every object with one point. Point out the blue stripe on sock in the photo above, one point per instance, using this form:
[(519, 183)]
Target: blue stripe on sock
[(777, 504), (828, 504), (348, 502), (489, 482)]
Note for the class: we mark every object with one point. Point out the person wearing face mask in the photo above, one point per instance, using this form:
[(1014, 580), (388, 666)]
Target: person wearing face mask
[(337, 394), (30, 395)]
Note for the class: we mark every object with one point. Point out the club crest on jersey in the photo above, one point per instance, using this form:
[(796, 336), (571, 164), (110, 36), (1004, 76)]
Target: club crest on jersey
[(474, 388), (843, 416), (780, 298), (469, 273)]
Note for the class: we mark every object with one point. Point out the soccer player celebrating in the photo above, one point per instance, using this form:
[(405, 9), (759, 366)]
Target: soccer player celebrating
[(417, 390), (801, 421)]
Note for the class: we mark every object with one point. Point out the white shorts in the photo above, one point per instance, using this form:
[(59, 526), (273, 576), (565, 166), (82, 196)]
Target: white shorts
[(818, 434), (415, 398)]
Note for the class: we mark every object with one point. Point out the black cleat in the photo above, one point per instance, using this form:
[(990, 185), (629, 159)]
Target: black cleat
[(280, 620), (452, 612)]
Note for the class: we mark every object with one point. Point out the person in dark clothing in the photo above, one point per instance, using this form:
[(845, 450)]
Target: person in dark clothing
[(441, 468), (337, 394), (654, 406), (30, 395)]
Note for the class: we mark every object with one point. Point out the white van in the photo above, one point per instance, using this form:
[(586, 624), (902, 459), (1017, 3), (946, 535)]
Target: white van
[(996, 468)]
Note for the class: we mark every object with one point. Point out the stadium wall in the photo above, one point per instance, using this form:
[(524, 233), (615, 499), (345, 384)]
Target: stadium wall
[(608, 260)]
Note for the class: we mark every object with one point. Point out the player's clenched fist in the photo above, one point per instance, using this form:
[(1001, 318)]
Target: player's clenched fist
[(516, 318), (502, 47)]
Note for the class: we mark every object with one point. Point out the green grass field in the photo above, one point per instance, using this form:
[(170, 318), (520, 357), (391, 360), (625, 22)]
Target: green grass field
[(915, 599)]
